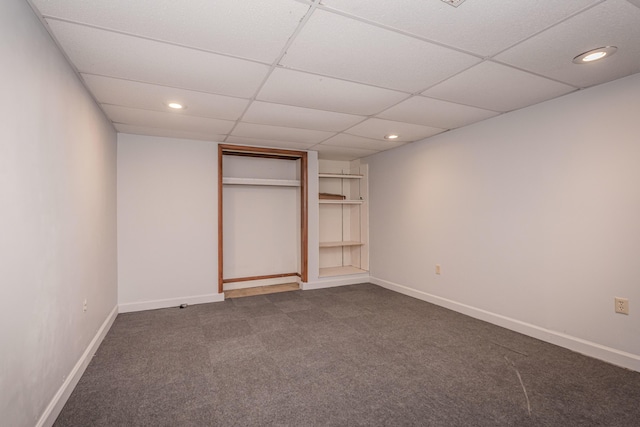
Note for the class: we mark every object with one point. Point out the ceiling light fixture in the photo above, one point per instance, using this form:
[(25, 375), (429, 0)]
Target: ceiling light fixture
[(391, 136), (175, 106), (594, 54)]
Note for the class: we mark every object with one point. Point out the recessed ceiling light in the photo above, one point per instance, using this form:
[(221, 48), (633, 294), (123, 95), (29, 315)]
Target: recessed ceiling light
[(594, 54), (391, 136), (175, 106)]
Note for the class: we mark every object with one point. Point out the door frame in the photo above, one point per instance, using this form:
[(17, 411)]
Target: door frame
[(266, 153)]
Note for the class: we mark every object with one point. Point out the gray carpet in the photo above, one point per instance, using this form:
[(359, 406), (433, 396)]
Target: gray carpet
[(347, 356)]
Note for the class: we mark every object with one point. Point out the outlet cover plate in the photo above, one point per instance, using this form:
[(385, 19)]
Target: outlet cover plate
[(622, 305)]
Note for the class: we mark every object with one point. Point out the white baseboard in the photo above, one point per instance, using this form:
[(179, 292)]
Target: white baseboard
[(170, 302), (333, 282), (588, 348), (62, 395)]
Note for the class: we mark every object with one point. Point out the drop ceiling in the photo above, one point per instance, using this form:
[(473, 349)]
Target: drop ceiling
[(333, 76)]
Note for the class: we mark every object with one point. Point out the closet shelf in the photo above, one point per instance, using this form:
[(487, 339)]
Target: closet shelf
[(340, 271), (340, 244), (341, 202), (261, 181), (342, 176)]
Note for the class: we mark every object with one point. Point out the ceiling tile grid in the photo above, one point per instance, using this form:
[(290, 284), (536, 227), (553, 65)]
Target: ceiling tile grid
[(326, 93), (298, 117), (334, 152), (277, 133), (434, 112), (252, 29), (166, 120), (482, 27), (497, 87), (352, 141), (112, 54), (330, 75), (336, 46), (108, 90), (612, 23), (407, 132), (166, 133)]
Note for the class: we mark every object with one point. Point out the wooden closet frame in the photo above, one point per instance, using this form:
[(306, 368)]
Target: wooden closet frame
[(266, 153)]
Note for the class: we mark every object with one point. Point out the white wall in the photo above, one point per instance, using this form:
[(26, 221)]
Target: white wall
[(57, 221), (533, 215), (261, 223), (167, 222)]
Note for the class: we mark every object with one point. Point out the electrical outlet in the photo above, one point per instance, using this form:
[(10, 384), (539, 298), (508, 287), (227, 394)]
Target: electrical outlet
[(622, 305), (84, 305), (438, 269)]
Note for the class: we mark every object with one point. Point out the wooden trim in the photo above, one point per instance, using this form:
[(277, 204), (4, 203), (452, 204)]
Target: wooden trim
[(269, 153), (304, 213), (238, 150), (220, 228), (268, 276), (261, 155)]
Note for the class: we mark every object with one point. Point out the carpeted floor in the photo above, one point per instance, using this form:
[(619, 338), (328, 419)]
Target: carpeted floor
[(347, 356)]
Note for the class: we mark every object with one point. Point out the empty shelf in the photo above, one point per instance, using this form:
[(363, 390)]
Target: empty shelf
[(339, 244), (261, 181), (340, 271)]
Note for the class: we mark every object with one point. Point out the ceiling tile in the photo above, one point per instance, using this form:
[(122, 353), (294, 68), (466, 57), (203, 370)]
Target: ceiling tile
[(378, 128), (332, 152), (325, 93), (433, 112), (337, 46), (484, 27), (497, 87), (352, 141), (156, 119), (146, 96), (269, 143), (280, 133), (167, 133), (249, 28), (106, 53), (298, 117), (612, 23)]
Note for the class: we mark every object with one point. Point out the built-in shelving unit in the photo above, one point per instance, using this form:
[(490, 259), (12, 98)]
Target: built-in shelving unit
[(342, 229)]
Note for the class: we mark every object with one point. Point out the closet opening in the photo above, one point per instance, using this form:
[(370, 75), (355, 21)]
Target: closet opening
[(262, 216)]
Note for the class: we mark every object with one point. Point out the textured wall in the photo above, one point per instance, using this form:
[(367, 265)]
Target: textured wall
[(167, 221), (57, 217), (533, 216)]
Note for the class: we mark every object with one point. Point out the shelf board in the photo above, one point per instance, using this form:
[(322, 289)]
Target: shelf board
[(338, 175), (339, 244), (341, 202), (261, 181), (340, 271)]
